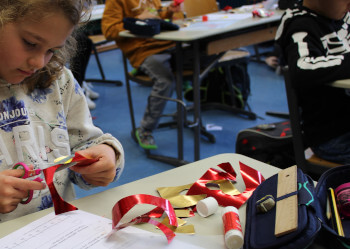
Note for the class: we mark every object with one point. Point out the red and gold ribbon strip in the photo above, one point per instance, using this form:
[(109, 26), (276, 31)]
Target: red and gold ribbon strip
[(124, 205), (251, 177), (59, 204)]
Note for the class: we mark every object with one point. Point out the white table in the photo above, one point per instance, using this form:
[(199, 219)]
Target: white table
[(102, 203), (209, 231), (97, 12), (216, 36)]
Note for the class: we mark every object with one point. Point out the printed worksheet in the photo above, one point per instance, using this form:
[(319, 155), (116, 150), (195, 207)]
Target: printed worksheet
[(82, 230)]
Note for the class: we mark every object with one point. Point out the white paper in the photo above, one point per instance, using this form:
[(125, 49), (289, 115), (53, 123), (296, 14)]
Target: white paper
[(82, 230), (213, 127)]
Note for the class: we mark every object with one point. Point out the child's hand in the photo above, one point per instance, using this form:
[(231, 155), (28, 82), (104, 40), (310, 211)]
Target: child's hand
[(174, 7), (13, 189), (102, 172)]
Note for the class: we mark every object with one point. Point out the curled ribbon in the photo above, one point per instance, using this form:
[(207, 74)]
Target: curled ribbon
[(176, 199), (124, 205), (251, 177), (59, 204)]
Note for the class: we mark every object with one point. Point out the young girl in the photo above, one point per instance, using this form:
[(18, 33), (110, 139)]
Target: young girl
[(43, 112)]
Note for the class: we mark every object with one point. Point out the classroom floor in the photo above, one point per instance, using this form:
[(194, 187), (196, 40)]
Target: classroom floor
[(112, 115)]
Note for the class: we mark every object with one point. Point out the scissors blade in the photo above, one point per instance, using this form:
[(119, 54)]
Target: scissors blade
[(65, 166), (65, 162)]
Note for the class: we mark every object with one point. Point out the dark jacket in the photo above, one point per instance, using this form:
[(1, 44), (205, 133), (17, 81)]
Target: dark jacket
[(317, 52)]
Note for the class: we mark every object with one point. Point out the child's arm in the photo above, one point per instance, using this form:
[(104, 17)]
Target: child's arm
[(112, 21), (14, 189), (102, 172), (84, 136)]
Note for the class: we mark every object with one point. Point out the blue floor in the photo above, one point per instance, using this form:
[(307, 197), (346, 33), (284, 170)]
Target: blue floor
[(112, 115)]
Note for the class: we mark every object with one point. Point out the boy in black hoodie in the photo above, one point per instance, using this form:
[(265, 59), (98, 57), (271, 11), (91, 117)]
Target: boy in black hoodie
[(314, 38)]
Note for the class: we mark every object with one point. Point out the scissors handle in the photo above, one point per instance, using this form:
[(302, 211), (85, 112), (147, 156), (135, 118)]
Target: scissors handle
[(27, 172)]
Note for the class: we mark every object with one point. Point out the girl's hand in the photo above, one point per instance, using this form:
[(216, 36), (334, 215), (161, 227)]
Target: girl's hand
[(13, 189), (102, 172)]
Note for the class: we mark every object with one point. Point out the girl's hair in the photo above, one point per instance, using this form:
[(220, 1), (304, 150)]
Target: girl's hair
[(12, 11)]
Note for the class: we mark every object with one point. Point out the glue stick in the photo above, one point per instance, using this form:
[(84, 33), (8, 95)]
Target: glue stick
[(207, 206), (232, 228)]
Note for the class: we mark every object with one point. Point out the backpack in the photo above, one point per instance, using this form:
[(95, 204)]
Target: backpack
[(215, 89), (269, 143)]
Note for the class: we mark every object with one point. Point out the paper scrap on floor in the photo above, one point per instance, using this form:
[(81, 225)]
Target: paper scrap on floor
[(213, 127)]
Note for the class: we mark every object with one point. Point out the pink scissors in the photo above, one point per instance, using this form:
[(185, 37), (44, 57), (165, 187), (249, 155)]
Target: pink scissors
[(27, 172)]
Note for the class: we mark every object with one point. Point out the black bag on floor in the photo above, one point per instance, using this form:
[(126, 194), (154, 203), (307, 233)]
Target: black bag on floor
[(269, 143), (214, 87)]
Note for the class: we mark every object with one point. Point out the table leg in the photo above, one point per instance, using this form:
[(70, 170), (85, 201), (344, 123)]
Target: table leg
[(180, 111), (196, 100)]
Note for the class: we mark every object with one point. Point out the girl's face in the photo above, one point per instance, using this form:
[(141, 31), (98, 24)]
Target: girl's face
[(27, 46)]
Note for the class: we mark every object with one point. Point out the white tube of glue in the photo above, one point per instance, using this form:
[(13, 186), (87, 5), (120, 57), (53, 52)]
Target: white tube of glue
[(232, 228)]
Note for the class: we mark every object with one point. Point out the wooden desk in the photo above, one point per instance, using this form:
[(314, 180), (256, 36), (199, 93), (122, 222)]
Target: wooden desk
[(209, 231), (216, 36)]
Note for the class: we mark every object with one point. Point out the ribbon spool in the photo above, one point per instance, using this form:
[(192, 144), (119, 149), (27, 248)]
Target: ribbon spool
[(342, 194)]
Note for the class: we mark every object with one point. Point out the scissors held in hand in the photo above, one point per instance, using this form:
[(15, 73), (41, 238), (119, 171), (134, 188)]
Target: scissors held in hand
[(28, 172)]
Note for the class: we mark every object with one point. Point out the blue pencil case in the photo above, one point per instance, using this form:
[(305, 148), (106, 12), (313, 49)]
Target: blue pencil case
[(314, 224)]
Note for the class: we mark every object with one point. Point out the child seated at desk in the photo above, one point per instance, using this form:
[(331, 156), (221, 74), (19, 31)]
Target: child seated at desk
[(43, 112), (314, 38), (146, 54)]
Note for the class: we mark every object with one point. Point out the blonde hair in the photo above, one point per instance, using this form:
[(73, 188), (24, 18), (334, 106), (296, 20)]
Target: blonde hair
[(12, 11)]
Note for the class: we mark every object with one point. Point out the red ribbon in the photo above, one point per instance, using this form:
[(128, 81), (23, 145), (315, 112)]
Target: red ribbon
[(59, 204), (251, 177), (124, 205)]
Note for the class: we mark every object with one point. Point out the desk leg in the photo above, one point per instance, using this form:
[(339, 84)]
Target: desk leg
[(180, 111), (196, 100)]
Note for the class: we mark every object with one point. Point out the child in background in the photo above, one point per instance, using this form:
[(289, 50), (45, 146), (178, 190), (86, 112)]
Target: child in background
[(79, 63), (151, 56), (43, 112), (314, 38)]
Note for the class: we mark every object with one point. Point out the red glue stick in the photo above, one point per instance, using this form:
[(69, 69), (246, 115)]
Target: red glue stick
[(232, 228)]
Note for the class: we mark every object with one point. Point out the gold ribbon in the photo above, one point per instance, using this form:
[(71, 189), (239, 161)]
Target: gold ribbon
[(173, 194)]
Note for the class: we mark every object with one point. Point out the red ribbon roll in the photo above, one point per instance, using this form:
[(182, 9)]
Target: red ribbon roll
[(124, 205)]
